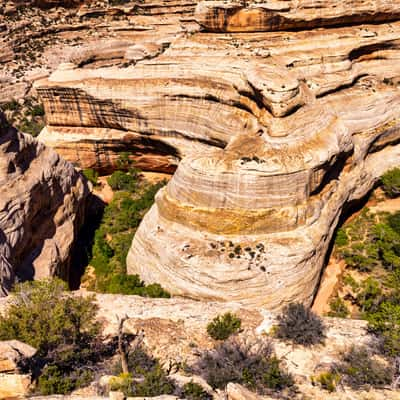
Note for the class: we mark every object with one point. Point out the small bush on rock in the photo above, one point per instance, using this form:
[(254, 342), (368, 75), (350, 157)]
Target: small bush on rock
[(224, 326), (300, 325), (327, 380), (358, 368), (249, 363), (193, 391), (146, 377), (338, 308)]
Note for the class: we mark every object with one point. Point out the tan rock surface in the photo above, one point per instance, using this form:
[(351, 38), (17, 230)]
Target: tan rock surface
[(41, 209), (14, 386), (274, 15), (12, 352), (277, 131)]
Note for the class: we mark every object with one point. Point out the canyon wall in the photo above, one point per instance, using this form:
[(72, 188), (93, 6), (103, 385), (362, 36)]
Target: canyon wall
[(42, 207), (277, 132)]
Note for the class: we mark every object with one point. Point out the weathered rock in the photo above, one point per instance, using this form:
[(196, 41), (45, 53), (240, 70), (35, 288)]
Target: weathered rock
[(274, 15), (41, 209), (14, 386), (238, 392), (252, 222), (12, 352), (12, 382), (277, 132)]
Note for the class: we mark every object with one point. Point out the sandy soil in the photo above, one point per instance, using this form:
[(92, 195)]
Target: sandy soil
[(329, 281)]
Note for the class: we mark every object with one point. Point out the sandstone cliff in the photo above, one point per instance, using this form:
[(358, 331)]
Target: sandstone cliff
[(41, 209), (278, 131)]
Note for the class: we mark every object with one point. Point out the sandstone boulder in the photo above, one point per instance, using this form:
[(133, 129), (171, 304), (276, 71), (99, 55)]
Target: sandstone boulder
[(12, 382), (12, 352)]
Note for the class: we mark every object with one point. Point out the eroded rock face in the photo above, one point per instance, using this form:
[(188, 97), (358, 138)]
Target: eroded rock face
[(41, 209), (278, 15), (252, 222), (277, 132)]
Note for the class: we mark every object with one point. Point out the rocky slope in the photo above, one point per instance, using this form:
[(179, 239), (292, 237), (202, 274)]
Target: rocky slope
[(278, 131), (41, 209)]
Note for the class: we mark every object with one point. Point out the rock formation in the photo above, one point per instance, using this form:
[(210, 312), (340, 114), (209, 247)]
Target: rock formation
[(41, 209), (277, 132), (13, 383)]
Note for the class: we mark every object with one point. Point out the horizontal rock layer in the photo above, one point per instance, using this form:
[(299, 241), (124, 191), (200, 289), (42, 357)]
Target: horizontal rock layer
[(41, 209), (252, 222), (277, 131), (274, 15)]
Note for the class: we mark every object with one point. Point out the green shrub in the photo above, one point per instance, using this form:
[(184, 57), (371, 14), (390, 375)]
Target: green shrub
[(338, 308), (358, 368), (64, 330), (385, 322), (251, 364), (370, 294), (120, 180), (224, 326), (341, 238), (327, 380), (37, 110), (394, 222), (391, 182), (12, 105), (112, 241), (91, 175), (154, 382), (193, 391), (32, 127), (300, 325), (44, 317), (53, 380)]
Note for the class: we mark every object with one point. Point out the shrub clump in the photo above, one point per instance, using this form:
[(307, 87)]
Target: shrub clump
[(359, 368), (112, 241), (193, 391), (391, 182), (338, 308), (300, 325), (91, 175), (120, 180), (252, 364), (223, 326), (61, 327), (327, 380), (145, 378)]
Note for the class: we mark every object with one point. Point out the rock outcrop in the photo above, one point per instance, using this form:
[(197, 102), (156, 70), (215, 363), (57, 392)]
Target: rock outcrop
[(278, 15), (13, 383), (41, 209), (277, 132), (313, 122)]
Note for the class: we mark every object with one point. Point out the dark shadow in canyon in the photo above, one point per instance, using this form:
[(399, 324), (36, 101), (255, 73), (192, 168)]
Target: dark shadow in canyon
[(82, 250)]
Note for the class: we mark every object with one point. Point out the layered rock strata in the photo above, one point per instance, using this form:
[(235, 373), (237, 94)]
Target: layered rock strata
[(277, 132), (41, 209), (278, 15), (252, 222)]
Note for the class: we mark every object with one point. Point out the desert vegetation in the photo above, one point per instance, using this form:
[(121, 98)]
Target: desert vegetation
[(223, 326), (26, 115), (300, 325), (62, 328), (133, 197), (250, 362)]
